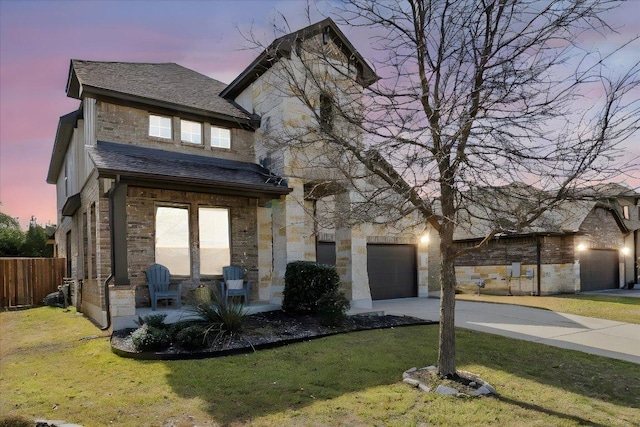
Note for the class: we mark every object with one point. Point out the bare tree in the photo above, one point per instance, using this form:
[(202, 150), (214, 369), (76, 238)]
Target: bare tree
[(472, 94)]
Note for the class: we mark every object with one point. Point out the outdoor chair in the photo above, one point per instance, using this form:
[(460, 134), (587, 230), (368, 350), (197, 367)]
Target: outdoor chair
[(158, 279), (233, 283)]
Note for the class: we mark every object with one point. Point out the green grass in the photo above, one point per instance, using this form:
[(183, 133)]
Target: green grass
[(57, 365), (622, 309)]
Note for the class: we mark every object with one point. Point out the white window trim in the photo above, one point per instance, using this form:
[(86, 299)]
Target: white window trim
[(187, 133), (217, 141), (155, 130)]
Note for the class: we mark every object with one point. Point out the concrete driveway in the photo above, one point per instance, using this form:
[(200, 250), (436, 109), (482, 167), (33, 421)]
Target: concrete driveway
[(607, 338)]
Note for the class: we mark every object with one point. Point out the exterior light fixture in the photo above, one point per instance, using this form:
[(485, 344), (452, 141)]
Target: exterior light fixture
[(581, 247), (424, 239), (625, 251)]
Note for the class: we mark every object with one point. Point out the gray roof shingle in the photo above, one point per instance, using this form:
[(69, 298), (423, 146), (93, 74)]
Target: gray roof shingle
[(169, 84), (156, 165)]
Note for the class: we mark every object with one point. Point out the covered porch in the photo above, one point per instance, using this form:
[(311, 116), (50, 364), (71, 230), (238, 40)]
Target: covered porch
[(175, 315)]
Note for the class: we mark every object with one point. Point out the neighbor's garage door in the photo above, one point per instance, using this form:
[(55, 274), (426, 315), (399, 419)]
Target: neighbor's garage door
[(392, 271), (598, 269)]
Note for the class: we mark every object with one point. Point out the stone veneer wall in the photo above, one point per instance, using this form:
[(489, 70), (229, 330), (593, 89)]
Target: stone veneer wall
[(492, 264)]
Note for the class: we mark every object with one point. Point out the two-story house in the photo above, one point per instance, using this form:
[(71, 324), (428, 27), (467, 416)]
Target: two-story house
[(163, 164)]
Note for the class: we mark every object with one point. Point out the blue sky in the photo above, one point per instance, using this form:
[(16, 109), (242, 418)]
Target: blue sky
[(38, 39)]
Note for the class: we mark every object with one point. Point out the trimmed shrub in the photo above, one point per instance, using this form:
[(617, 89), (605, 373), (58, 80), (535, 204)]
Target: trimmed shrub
[(148, 338), (305, 283), (333, 308)]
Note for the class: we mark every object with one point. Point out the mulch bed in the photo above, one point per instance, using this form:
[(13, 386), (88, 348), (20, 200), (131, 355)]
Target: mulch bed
[(266, 330)]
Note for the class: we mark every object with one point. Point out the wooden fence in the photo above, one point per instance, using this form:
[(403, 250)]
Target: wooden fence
[(26, 281)]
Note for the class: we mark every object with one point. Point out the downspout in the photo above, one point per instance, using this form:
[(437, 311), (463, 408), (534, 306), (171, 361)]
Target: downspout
[(107, 300), (539, 264)]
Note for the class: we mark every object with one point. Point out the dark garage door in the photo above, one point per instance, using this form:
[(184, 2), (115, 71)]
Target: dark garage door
[(598, 270), (392, 271)]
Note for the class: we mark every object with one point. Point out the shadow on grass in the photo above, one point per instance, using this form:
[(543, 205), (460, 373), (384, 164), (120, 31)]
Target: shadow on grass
[(543, 410), (242, 388)]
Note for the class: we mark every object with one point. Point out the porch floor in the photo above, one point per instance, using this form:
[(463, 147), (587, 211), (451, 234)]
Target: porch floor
[(176, 315)]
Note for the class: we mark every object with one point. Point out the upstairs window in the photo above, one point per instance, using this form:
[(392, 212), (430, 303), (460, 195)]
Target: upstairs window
[(160, 127), (191, 132), (220, 137), (326, 111), (625, 212)]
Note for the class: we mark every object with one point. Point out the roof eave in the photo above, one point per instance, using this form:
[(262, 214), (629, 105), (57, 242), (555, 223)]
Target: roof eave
[(101, 92), (66, 124), (154, 179)]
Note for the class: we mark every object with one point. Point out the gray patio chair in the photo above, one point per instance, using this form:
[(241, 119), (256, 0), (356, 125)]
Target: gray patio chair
[(158, 279), (233, 283)]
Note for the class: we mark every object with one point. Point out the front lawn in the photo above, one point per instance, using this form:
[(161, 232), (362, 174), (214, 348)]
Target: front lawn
[(57, 365), (621, 309)]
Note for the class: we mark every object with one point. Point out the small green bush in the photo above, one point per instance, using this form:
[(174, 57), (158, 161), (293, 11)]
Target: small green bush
[(305, 283), (148, 338), (192, 337), (155, 320)]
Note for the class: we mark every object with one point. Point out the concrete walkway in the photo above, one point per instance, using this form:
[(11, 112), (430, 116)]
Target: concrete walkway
[(607, 338)]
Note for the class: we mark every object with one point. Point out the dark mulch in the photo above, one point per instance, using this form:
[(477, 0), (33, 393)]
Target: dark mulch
[(266, 330)]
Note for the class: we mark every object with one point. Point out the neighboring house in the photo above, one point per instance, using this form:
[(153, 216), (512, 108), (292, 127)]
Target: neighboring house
[(578, 246), (163, 164)]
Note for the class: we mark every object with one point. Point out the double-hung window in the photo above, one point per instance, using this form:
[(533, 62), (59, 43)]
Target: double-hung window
[(191, 131), (160, 126), (220, 137), (213, 224), (172, 239), (174, 243)]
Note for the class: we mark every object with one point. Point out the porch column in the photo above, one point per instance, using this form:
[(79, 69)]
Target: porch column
[(289, 235), (118, 223), (351, 257)]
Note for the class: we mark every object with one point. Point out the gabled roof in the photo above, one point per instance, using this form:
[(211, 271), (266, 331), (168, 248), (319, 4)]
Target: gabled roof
[(61, 143), (283, 46), (169, 167), (165, 85), (503, 206)]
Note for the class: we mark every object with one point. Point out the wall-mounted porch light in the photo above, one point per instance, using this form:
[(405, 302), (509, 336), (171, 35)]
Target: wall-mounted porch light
[(424, 239), (581, 247), (625, 251)]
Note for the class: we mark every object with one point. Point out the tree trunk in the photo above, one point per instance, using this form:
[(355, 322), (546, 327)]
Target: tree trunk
[(447, 338)]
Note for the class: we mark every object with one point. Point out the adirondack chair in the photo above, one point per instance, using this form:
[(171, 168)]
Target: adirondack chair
[(234, 283), (158, 280)]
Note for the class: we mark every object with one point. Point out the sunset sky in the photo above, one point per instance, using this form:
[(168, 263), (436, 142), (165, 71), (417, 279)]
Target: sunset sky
[(39, 38)]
